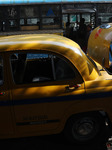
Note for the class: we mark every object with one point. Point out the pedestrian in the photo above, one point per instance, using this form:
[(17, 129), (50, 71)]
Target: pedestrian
[(88, 32), (82, 34), (68, 30), (82, 28)]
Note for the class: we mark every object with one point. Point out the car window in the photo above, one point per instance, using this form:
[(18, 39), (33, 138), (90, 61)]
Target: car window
[(1, 70), (39, 67)]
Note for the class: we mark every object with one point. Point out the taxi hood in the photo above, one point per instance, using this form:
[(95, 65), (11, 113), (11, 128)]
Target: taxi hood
[(100, 44)]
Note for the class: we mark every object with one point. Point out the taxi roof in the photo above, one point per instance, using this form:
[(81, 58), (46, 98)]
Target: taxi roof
[(18, 42), (53, 43)]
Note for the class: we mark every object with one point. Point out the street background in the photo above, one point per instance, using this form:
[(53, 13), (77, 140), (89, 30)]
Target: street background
[(54, 142)]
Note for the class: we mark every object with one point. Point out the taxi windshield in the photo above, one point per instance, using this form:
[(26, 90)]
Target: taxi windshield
[(93, 63)]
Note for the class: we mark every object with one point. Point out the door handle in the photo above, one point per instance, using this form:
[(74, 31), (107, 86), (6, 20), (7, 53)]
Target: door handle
[(72, 87)]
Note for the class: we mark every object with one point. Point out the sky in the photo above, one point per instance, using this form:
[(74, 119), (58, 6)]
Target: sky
[(47, 1)]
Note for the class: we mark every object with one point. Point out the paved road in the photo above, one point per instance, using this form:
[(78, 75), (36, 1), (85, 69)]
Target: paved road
[(52, 142)]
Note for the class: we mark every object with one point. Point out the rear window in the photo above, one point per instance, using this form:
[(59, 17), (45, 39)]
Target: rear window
[(40, 67)]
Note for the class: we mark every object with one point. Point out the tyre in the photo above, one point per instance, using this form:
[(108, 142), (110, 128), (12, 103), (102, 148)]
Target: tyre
[(84, 127)]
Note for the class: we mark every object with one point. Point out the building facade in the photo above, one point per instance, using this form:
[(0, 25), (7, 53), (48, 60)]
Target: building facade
[(46, 15)]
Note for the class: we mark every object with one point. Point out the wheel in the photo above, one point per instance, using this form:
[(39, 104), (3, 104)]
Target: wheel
[(84, 128)]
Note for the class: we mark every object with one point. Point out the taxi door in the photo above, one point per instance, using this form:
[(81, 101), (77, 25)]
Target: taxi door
[(6, 121), (42, 94)]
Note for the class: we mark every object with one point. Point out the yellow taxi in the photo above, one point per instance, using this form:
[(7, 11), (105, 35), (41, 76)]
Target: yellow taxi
[(48, 85)]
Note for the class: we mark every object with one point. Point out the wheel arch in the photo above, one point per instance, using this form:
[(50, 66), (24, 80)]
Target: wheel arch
[(102, 113), (101, 118)]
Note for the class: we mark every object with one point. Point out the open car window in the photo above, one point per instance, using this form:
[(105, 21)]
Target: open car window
[(40, 67)]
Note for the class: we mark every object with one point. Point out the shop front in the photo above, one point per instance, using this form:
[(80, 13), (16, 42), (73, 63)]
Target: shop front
[(45, 16)]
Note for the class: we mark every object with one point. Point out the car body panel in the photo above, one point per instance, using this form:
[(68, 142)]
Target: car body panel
[(42, 111), (6, 119), (44, 107), (99, 44)]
